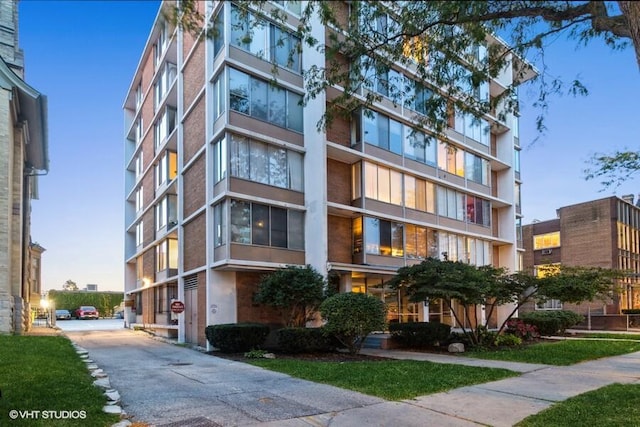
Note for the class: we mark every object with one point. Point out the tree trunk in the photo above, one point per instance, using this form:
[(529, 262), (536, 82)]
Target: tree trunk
[(631, 10)]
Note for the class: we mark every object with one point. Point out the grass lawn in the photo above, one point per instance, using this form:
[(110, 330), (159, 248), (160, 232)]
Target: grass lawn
[(391, 380), (611, 406), (620, 336), (559, 353), (46, 374)]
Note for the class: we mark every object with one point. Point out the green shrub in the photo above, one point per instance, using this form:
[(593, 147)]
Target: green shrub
[(255, 354), (351, 317), (236, 337), (303, 340), (631, 311), (552, 321), (509, 340), (419, 334)]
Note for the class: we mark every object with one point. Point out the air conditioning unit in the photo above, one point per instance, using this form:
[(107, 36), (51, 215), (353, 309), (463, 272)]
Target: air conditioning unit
[(547, 251)]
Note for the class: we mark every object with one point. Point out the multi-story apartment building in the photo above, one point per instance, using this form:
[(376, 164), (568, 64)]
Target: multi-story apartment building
[(228, 178), (23, 156), (599, 233)]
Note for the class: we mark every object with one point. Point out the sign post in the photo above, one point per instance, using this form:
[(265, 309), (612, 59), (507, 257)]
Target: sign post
[(177, 307)]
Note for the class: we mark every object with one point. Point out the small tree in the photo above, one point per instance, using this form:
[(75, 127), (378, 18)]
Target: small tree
[(295, 291), (69, 285), (352, 316), (490, 287)]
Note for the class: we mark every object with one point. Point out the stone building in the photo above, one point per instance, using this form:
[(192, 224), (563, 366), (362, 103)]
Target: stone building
[(23, 157)]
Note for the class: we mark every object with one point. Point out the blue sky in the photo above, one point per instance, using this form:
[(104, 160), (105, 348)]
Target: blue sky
[(82, 55)]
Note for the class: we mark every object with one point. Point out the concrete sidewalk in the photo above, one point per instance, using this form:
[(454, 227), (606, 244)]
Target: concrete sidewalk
[(498, 403), (168, 385)]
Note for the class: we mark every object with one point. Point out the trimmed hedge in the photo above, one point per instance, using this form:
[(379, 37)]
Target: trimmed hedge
[(552, 321), (303, 340), (237, 337), (631, 311), (419, 334)]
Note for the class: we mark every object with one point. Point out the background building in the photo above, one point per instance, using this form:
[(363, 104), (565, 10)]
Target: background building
[(228, 177), (23, 157), (599, 233)]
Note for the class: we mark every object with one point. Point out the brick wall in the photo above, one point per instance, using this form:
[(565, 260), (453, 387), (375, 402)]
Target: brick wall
[(248, 311), (340, 131), (194, 186), (193, 73), (338, 182), (195, 234), (339, 239), (582, 225), (194, 130)]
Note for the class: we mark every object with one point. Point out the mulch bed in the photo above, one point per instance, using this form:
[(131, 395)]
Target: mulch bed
[(312, 357)]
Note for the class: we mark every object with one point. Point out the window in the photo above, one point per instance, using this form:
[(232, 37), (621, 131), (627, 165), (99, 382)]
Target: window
[(292, 6), (383, 237), (417, 96), (257, 224), (547, 240), (218, 33), (161, 43), (419, 194), (381, 131), (139, 164), (219, 97), (139, 233), (265, 40), (139, 268), (472, 127), (220, 159), (451, 204), (139, 199), (166, 169), (478, 210), (418, 147), (517, 196), (516, 160), (265, 163), (165, 80), (383, 184), (138, 131), (451, 159), (138, 96), (477, 169), (263, 101), (219, 224), (167, 212), (167, 255), (419, 241), (552, 304), (164, 126)]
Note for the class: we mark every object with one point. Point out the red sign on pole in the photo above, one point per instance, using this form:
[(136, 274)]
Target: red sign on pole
[(177, 307)]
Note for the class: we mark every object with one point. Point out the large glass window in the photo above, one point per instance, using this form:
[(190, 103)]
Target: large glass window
[(219, 96), (478, 210), (451, 204), (383, 237), (265, 163), (220, 159), (257, 224), (164, 82), (165, 126), (547, 240), (451, 159), (265, 40), (477, 169), (259, 99), (218, 33), (472, 127), (418, 147), (167, 168), (383, 184)]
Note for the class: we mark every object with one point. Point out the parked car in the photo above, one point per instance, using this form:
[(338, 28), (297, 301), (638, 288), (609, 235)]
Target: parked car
[(87, 312), (63, 315)]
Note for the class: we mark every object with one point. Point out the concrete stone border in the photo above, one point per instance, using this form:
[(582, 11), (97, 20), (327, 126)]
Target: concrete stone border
[(113, 405)]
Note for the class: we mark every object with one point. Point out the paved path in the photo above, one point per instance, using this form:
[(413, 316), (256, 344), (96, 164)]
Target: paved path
[(168, 385)]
